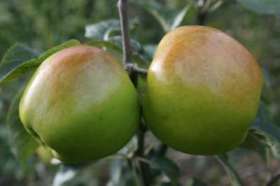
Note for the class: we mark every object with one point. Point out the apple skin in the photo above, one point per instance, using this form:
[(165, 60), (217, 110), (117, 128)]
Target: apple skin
[(81, 104), (203, 91)]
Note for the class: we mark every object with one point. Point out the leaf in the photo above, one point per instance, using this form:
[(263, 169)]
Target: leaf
[(104, 29), (262, 141), (215, 5), (64, 175), (105, 44), (22, 144), (98, 30), (108, 45), (195, 182), (262, 6), (129, 149), (135, 45), (24, 66), (166, 17), (265, 123), (180, 17), (233, 175), (256, 142), (17, 53), (157, 11), (149, 51), (14, 56), (164, 24), (115, 172), (167, 167), (264, 135), (123, 174)]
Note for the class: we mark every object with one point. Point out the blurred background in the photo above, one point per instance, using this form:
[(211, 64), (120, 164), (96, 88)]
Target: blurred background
[(40, 25)]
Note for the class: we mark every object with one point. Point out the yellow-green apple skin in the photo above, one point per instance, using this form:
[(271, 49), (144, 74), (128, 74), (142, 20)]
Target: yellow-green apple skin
[(203, 91), (81, 104)]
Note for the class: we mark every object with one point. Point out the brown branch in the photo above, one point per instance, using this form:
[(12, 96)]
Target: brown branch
[(122, 6), (133, 71)]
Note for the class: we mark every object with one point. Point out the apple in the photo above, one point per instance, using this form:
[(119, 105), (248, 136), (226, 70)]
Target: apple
[(81, 104), (203, 91)]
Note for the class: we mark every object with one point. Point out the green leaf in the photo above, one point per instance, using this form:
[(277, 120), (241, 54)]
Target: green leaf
[(23, 145), (262, 6), (180, 17), (64, 175), (104, 29), (109, 45), (98, 30), (149, 51), (166, 17), (123, 173), (195, 182), (215, 5), (264, 122), (157, 11), (24, 66), (135, 45), (256, 142), (235, 180), (264, 136), (14, 56), (167, 167), (262, 142), (105, 44)]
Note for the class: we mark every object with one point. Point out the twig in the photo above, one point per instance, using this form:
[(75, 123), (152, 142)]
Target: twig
[(122, 6), (273, 180), (202, 12), (133, 71), (131, 67), (144, 168)]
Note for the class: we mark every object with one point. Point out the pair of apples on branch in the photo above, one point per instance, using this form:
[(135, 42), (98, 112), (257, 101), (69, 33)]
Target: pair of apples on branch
[(202, 93)]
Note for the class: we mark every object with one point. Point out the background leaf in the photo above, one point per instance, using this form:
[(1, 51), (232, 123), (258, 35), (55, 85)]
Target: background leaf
[(235, 180), (262, 6), (23, 66), (167, 18), (64, 175), (14, 56), (98, 30), (195, 182), (180, 17), (114, 47), (22, 144)]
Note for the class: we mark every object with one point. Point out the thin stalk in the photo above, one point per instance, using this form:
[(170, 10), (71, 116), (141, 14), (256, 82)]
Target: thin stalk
[(133, 71), (122, 6)]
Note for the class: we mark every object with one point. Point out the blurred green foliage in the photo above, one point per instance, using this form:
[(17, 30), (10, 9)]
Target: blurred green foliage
[(41, 25)]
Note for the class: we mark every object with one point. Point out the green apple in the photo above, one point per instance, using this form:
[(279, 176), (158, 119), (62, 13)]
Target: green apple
[(203, 91), (81, 104)]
